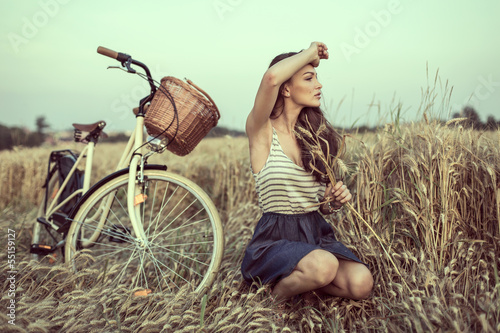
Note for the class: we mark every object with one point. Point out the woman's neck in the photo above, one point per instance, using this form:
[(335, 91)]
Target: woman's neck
[(286, 121)]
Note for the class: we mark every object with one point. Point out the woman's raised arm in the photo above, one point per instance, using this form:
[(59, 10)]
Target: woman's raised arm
[(273, 78)]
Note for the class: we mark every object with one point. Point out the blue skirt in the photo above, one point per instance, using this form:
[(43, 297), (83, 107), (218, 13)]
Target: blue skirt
[(280, 241)]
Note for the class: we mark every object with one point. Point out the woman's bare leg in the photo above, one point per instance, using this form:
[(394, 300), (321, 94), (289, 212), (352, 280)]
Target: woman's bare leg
[(353, 280), (316, 270)]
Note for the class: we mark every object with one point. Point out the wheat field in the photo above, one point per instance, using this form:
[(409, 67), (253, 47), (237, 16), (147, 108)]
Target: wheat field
[(427, 203)]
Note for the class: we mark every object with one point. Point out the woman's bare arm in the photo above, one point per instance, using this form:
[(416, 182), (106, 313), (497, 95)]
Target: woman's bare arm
[(272, 80)]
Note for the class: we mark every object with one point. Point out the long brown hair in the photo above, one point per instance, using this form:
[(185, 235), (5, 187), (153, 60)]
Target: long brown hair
[(310, 118)]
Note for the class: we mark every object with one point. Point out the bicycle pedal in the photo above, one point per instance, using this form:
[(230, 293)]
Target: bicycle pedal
[(119, 234), (42, 249)]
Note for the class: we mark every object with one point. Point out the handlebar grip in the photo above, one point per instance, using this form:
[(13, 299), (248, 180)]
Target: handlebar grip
[(107, 52), (121, 57)]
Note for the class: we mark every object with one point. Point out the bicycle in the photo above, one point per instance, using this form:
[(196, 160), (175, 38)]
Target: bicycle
[(144, 226)]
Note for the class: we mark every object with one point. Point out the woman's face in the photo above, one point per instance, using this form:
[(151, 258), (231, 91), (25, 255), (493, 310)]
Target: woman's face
[(304, 88)]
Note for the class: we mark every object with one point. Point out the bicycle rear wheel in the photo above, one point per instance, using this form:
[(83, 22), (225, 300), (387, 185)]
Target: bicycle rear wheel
[(45, 241), (184, 238)]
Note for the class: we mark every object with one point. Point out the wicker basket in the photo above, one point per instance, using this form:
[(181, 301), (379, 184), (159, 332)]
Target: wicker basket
[(197, 114)]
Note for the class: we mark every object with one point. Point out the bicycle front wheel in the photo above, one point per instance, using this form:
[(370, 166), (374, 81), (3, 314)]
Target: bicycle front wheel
[(183, 242)]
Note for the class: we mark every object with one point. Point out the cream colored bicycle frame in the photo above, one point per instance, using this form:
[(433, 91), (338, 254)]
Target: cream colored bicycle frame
[(134, 143)]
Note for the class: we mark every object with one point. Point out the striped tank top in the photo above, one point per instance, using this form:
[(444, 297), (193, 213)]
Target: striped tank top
[(283, 186)]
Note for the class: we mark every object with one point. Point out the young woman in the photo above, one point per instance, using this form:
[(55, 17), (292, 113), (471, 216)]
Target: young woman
[(293, 248)]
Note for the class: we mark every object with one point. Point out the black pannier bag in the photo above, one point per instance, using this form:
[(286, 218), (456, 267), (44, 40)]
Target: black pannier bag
[(65, 160)]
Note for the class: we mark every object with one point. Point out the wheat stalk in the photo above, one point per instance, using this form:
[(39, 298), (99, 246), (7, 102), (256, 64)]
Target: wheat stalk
[(329, 163), (455, 120)]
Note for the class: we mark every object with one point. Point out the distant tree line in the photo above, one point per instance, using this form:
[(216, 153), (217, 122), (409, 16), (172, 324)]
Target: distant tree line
[(118, 137), (222, 131), (16, 136), (471, 120), (475, 122)]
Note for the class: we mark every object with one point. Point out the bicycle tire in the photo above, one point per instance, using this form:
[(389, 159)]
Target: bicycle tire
[(40, 235), (169, 259)]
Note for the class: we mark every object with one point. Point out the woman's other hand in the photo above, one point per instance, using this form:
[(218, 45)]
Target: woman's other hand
[(340, 192)]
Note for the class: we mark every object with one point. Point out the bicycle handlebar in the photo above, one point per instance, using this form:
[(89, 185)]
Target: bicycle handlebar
[(107, 52), (112, 54), (127, 61)]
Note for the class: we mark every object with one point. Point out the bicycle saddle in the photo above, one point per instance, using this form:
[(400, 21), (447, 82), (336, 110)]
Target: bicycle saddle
[(90, 127)]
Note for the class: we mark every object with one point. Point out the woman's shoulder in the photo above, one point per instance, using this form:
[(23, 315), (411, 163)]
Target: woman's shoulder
[(260, 142), (257, 132)]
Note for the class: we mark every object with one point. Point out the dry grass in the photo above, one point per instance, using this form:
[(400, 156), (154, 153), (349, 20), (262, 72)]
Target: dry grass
[(430, 192)]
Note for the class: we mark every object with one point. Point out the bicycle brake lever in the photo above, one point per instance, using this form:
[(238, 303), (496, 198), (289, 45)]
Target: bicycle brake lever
[(116, 67), (127, 64)]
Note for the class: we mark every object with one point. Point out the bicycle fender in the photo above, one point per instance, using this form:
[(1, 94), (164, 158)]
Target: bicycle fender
[(106, 179)]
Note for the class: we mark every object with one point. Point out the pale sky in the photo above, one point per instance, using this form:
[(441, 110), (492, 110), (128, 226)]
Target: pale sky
[(379, 50)]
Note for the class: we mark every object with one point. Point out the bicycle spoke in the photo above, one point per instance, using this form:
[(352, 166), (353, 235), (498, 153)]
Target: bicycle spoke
[(173, 209), (188, 258), (151, 212), (166, 203), (141, 272), (156, 267), (162, 206), (124, 269), (86, 225), (175, 273), (168, 232), (203, 232), (156, 273), (193, 243)]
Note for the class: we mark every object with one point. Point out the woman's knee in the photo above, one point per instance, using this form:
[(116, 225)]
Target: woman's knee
[(322, 269), (361, 284)]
